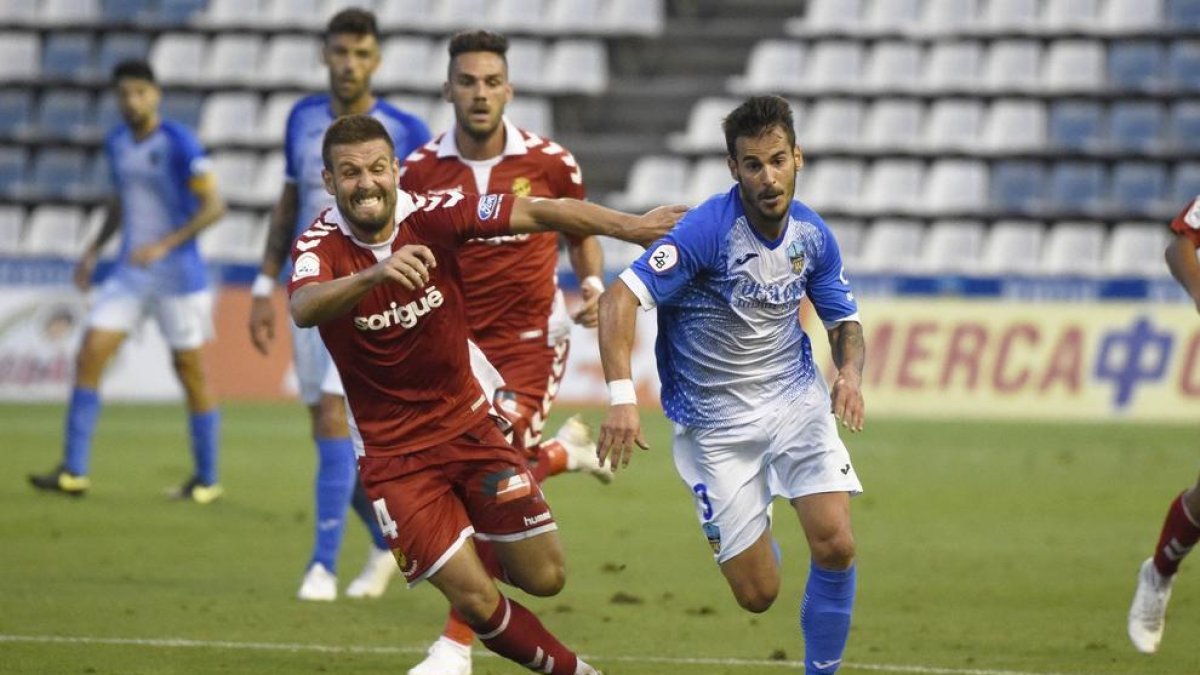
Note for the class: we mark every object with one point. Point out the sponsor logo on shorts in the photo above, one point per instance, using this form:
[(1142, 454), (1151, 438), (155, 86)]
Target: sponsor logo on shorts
[(489, 206), (665, 257), (307, 265), (405, 316), (713, 534), (508, 485), (537, 520)]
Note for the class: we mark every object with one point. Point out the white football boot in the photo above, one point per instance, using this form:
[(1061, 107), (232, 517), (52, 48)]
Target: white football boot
[(1148, 614), (375, 576), (446, 657), (576, 438), (319, 584)]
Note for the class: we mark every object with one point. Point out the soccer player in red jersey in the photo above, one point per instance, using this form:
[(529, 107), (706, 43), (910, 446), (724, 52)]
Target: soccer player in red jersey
[(515, 310), (1181, 527), (379, 276)]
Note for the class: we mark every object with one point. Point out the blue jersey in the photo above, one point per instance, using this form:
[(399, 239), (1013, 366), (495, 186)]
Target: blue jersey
[(729, 336), (153, 178), (306, 126)]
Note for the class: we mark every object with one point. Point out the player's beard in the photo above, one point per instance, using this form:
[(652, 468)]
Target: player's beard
[(480, 131), (369, 219), (767, 214)]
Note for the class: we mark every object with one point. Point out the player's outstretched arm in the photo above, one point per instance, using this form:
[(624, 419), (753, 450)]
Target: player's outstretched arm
[(316, 303), (849, 355), (212, 207), (1181, 260), (622, 428), (572, 216), (279, 240)]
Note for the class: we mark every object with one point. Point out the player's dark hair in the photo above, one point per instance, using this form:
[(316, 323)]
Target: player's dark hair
[(349, 130), (754, 117), (352, 20), (478, 41), (134, 69)]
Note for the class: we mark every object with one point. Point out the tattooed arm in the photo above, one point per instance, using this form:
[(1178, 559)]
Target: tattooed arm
[(849, 355)]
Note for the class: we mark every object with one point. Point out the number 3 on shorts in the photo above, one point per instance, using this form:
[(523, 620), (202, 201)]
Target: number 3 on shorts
[(701, 491), (386, 524)]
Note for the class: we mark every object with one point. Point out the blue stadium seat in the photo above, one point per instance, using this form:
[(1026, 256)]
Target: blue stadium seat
[(67, 56), (1076, 125), (1185, 126), (1183, 64), (1183, 13), (1138, 187), (16, 109), (1136, 126), (126, 11), (97, 177), (1185, 184), (184, 107), (1077, 187), (118, 47), (1018, 186), (1136, 65), (58, 173), (65, 114), (13, 163), (177, 12), (108, 115)]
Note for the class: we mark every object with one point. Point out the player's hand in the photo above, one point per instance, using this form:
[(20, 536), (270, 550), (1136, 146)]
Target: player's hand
[(655, 223), (408, 267), (622, 429), (262, 324), (848, 407), (588, 315), (84, 270), (148, 254)]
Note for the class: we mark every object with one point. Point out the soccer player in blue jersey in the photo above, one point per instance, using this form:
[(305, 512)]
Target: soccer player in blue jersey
[(165, 195), (351, 53), (753, 417)]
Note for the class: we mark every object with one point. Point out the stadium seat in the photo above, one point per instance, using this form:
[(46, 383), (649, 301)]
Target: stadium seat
[(57, 173), (118, 47), (893, 15), (1136, 126), (773, 66), (1185, 126), (403, 14), (1074, 65), (12, 225), (1076, 125), (414, 52), (894, 124), (68, 11), (949, 16), (952, 246), (233, 59), (953, 124), (272, 122), (65, 114), (232, 239), (832, 123), (526, 63), (1138, 187), (829, 16), (1185, 185), (125, 11), (637, 17), (956, 186), (1183, 65), (534, 16), (709, 176), (1078, 187), (1132, 15), (532, 113), (1013, 247), (831, 184), (1071, 14), (893, 65), (653, 180), (179, 58), (451, 15), (1136, 65), (14, 162), (97, 178), (577, 67), (67, 56), (179, 12), (227, 118), (108, 115), (54, 231), (1013, 65), (893, 187), (294, 60), (1183, 13), (1004, 15), (237, 174), (892, 246), (20, 56), (422, 106), (441, 117), (1136, 249), (19, 12), (16, 111), (1074, 247), (1015, 124), (233, 13), (1018, 186), (268, 179), (184, 107), (953, 66), (703, 132), (299, 14), (849, 235), (833, 65)]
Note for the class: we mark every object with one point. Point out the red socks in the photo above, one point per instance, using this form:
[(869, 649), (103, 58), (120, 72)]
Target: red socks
[(1179, 533), (516, 634), (551, 461)]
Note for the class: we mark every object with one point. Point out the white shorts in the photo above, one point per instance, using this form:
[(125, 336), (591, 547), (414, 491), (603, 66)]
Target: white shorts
[(735, 472), (185, 320), (314, 366)]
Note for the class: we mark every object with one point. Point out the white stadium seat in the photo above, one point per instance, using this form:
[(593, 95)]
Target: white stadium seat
[(849, 235), (637, 17), (949, 16), (1127, 15), (892, 246), (54, 231), (414, 53), (233, 59), (520, 16), (953, 124), (1010, 14), (1013, 65), (236, 172), (231, 13), (20, 56), (832, 123), (831, 184), (526, 64), (1137, 249), (404, 14), (238, 237), (830, 15), (1013, 247), (272, 121), (179, 58), (703, 132), (572, 16), (833, 65), (12, 221), (953, 65), (1070, 14), (577, 66), (294, 14), (68, 11), (709, 176), (653, 180), (1074, 65), (956, 186), (773, 66), (894, 124), (893, 186), (532, 113), (268, 181), (1074, 247), (952, 246), (894, 66), (229, 117), (893, 15), (293, 60), (1015, 124)]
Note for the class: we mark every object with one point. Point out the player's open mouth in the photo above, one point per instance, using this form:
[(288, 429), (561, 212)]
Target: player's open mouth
[(368, 202)]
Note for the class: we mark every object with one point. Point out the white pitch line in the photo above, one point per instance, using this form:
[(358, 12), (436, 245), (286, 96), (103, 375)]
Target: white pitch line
[(359, 649)]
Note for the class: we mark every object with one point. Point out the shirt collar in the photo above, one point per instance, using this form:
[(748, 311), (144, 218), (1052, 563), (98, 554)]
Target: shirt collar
[(514, 142)]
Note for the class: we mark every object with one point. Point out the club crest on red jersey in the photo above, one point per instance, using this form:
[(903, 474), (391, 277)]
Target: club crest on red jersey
[(522, 187)]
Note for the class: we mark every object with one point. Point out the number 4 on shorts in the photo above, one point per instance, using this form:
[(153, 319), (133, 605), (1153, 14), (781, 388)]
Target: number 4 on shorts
[(386, 524)]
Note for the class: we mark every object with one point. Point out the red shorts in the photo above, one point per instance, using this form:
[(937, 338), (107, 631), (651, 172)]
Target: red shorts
[(532, 373), (428, 502)]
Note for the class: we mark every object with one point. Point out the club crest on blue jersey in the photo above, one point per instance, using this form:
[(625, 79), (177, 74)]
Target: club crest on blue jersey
[(796, 254), (713, 534)]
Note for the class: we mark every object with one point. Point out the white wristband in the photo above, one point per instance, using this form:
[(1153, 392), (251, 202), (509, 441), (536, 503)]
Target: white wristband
[(262, 287), (621, 392), (594, 282)]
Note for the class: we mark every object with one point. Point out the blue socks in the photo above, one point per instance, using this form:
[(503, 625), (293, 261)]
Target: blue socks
[(825, 618), (205, 428), (82, 412), (365, 510), (335, 484)]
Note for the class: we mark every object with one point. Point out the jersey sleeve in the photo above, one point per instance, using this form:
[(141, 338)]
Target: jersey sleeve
[(291, 144), (828, 287), (312, 256), (1187, 223), (451, 218), (190, 158), (672, 262)]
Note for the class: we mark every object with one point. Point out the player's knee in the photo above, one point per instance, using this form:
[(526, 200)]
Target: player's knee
[(542, 580), (756, 597), (329, 418), (476, 606), (835, 552)]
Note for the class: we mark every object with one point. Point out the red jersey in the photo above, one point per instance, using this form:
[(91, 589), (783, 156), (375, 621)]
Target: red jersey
[(403, 354), (510, 281), (1187, 222)]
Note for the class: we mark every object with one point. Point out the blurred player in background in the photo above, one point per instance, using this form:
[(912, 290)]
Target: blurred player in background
[(515, 310), (351, 53), (753, 417), (1181, 527), (166, 194), (379, 275)]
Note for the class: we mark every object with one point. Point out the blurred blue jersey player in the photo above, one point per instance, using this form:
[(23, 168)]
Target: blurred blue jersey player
[(351, 53), (753, 417), (166, 195)]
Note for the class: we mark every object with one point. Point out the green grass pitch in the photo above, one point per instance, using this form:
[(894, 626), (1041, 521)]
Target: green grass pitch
[(984, 549)]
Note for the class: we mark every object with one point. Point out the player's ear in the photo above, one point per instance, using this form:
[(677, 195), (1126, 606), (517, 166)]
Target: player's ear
[(799, 156), (732, 164), (446, 92), (327, 178)]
